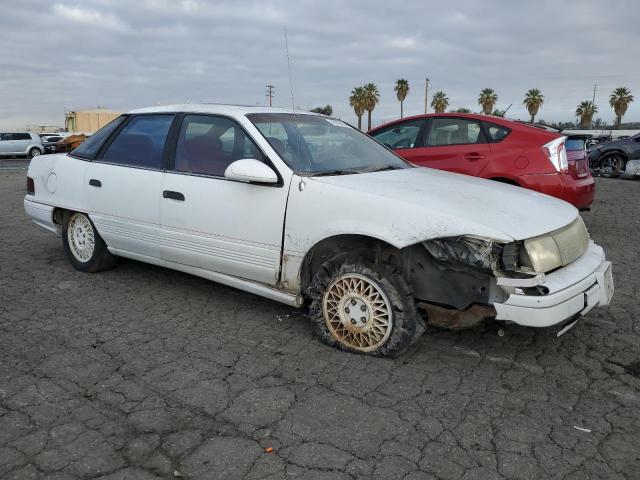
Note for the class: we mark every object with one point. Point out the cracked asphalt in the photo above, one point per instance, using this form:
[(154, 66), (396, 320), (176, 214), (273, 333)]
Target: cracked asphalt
[(145, 373)]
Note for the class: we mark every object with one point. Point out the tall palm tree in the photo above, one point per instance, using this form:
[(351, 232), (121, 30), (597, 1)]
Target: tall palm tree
[(440, 101), (402, 90), (356, 101), (620, 99), (371, 98), (533, 100), (487, 100), (586, 110)]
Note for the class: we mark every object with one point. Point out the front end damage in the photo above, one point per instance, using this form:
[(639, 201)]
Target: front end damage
[(461, 281)]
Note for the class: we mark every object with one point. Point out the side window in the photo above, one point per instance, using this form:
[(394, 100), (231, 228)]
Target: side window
[(454, 131), (495, 132), (21, 136), (208, 145), (4, 137), (141, 142), (402, 135), (90, 147)]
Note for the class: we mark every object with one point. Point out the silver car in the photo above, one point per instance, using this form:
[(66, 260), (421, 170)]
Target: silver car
[(20, 143)]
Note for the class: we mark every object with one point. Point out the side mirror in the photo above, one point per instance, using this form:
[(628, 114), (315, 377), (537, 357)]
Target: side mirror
[(250, 170)]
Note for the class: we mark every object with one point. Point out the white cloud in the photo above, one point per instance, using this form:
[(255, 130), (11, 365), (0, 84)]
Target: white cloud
[(92, 18)]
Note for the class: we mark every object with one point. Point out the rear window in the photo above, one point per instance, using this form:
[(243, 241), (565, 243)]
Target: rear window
[(496, 133), (572, 144), (90, 147)]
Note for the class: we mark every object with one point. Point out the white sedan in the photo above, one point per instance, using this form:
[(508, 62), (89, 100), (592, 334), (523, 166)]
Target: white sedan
[(306, 210)]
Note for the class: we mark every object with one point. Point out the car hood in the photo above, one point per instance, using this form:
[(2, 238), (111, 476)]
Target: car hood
[(487, 207)]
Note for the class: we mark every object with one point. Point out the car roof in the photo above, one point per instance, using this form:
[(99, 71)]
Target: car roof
[(217, 108), (475, 116)]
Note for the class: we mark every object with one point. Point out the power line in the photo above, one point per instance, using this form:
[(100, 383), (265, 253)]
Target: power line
[(270, 93)]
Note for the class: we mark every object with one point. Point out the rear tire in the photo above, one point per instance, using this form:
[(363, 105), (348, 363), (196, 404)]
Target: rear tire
[(361, 306), (34, 152), (83, 244)]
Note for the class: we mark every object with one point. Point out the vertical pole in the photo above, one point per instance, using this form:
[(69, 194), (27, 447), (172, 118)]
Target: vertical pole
[(595, 85), (426, 95)]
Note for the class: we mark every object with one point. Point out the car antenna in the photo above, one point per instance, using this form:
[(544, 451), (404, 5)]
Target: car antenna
[(301, 185)]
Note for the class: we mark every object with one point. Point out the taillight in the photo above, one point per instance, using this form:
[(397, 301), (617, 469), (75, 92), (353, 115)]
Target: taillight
[(557, 154), (31, 187)]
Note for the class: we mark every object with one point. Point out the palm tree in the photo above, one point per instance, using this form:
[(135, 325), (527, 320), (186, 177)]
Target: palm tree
[(402, 90), (356, 101), (533, 100), (440, 101), (371, 98), (620, 99), (487, 100), (585, 111)]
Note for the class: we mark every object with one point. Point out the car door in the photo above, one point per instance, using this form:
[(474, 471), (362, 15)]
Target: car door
[(454, 144), (217, 224), (21, 142), (124, 185)]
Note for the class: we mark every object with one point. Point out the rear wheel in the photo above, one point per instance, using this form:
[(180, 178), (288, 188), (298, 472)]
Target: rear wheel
[(364, 307), (612, 165), (84, 245), (34, 152)]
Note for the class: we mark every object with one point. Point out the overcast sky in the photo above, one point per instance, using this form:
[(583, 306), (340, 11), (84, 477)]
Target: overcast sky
[(67, 55)]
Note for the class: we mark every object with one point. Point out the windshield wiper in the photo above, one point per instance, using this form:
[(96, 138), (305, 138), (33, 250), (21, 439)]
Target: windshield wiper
[(334, 172), (382, 169)]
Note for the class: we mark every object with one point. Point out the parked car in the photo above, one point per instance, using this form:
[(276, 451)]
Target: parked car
[(493, 148), (306, 210), (610, 158), (20, 143), (49, 143)]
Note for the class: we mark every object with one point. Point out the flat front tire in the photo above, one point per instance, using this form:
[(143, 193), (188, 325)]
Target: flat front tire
[(364, 307), (83, 245)]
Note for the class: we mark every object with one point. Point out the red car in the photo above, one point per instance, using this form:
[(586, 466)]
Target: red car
[(494, 148)]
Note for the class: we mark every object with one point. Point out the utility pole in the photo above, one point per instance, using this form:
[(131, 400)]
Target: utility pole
[(595, 85), (426, 95), (270, 93)]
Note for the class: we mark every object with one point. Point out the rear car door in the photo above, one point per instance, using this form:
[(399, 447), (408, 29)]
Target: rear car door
[(124, 185), (21, 142), (214, 223), (453, 143)]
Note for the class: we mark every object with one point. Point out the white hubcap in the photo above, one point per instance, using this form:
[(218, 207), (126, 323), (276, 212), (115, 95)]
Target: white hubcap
[(80, 236), (357, 312)]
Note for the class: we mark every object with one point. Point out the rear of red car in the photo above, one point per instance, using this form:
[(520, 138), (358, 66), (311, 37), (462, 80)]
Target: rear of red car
[(495, 148)]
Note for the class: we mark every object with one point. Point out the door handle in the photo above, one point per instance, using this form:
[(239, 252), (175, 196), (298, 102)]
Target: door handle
[(95, 183), (474, 156), (173, 195)]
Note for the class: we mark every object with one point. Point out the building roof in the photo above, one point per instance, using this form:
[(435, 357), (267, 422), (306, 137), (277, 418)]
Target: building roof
[(96, 110)]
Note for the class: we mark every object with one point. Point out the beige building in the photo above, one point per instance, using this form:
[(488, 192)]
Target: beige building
[(88, 121)]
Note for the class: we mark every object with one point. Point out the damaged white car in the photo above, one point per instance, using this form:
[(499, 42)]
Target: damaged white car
[(306, 210)]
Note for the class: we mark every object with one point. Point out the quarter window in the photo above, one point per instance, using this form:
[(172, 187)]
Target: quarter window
[(141, 142), (22, 136), (89, 148), (403, 135), (207, 145), (454, 131), (495, 132)]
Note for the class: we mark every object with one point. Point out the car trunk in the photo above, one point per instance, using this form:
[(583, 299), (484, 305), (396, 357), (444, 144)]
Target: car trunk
[(577, 156)]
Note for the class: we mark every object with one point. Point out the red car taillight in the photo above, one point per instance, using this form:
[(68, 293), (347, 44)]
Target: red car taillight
[(31, 187), (557, 154)]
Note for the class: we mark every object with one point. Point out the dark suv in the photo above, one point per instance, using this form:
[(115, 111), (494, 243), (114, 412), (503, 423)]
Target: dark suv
[(611, 158)]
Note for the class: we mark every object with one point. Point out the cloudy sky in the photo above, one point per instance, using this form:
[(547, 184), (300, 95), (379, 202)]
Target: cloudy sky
[(67, 55)]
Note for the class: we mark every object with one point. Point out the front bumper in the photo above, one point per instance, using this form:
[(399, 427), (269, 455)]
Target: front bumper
[(573, 290)]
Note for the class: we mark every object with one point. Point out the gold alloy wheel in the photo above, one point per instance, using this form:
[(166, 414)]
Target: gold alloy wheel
[(357, 312)]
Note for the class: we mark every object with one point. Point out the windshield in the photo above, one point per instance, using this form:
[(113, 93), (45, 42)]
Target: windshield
[(318, 145)]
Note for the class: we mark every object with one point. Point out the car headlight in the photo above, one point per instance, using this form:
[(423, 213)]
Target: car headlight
[(555, 249)]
